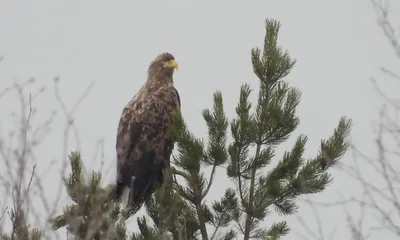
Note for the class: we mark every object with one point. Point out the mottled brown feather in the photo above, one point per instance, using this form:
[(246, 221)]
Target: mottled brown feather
[(143, 148)]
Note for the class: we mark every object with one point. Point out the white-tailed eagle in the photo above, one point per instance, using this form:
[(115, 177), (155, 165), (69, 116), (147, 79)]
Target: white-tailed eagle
[(143, 146)]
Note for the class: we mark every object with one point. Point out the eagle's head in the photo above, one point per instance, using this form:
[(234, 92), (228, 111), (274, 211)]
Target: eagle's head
[(163, 66)]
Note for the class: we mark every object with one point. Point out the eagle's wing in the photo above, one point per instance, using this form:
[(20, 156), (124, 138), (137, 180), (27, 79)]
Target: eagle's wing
[(143, 115), (143, 149), (128, 134)]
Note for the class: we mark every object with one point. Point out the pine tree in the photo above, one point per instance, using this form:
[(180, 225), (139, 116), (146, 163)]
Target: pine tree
[(261, 129), (271, 123), (178, 209)]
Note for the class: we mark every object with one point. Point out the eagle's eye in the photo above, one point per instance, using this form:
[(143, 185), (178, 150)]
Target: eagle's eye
[(166, 63)]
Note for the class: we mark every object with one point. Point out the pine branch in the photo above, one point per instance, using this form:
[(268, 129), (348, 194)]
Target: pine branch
[(169, 211), (225, 211), (18, 213), (271, 123), (94, 214), (20, 228), (192, 153)]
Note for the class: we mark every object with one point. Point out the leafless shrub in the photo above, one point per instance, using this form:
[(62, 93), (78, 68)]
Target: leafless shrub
[(379, 203), (374, 209), (21, 183)]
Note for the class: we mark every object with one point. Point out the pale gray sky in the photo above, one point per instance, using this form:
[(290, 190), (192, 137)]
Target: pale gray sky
[(337, 44)]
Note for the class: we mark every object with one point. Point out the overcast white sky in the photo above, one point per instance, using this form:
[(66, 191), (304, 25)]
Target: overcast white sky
[(337, 44)]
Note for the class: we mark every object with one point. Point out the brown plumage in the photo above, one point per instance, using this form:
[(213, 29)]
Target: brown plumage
[(143, 148)]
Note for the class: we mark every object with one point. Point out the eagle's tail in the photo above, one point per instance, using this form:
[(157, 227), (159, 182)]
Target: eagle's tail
[(133, 197), (140, 191)]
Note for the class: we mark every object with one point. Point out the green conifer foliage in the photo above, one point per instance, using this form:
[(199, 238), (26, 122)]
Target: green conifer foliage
[(265, 126), (93, 214)]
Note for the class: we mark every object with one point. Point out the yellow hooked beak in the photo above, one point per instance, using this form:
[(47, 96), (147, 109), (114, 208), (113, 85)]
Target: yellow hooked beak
[(173, 64)]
